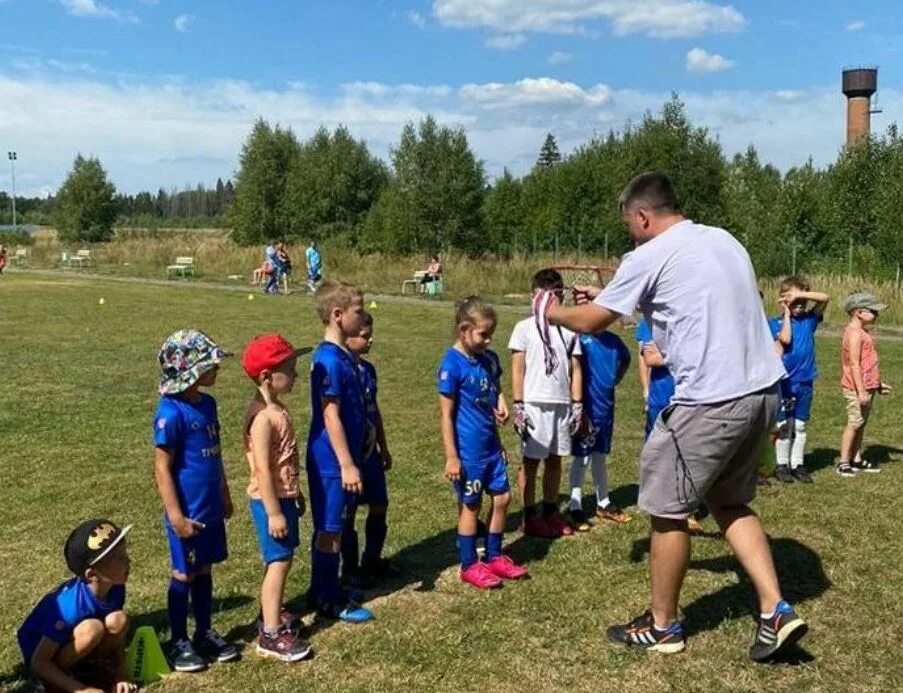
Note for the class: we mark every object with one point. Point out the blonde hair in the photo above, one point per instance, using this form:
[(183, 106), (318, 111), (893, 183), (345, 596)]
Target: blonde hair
[(472, 309), (795, 282), (333, 294)]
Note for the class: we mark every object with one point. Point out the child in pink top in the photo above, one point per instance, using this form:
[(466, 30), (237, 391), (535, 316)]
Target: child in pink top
[(276, 500), (860, 380)]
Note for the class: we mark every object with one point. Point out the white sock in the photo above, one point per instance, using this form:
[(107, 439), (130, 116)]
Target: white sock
[(783, 443), (575, 479), (798, 448), (600, 479)]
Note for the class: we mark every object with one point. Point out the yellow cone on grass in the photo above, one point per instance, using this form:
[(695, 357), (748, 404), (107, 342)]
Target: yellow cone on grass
[(373, 304), (101, 301), (145, 662)]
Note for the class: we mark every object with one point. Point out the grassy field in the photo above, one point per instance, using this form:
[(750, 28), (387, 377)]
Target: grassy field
[(75, 415)]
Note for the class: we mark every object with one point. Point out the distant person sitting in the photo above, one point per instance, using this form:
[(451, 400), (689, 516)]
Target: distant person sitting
[(3, 258), (314, 266), (433, 271)]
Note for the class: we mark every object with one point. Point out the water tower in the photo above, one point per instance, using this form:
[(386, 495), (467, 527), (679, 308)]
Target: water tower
[(859, 85)]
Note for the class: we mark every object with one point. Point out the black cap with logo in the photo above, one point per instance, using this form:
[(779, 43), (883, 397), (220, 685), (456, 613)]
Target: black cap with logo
[(90, 542)]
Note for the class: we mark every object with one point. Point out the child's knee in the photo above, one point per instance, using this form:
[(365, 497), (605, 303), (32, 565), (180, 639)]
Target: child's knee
[(501, 500), (117, 623), (799, 426), (473, 507), (89, 633), (328, 542)]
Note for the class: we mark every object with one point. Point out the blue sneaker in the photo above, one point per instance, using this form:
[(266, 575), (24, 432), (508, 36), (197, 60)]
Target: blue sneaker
[(641, 633), (783, 628), (349, 612)]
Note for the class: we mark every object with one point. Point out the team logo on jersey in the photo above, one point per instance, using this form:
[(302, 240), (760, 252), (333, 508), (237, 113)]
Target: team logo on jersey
[(60, 625), (161, 423), (443, 375), (195, 425), (100, 535)]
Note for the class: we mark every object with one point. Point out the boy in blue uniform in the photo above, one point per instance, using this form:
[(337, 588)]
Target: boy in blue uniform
[(377, 461), (604, 359), (74, 639), (188, 468), (795, 330), (335, 445), (658, 385)]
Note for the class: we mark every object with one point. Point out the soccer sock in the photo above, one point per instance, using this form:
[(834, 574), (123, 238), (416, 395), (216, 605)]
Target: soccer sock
[(375, 531), (350, 550), (783, 443), (549, 509), (798, 447), (600, 479), (467, 550), (326, 583), (575, 478), (493, 546), (202, 602), (177, 608)]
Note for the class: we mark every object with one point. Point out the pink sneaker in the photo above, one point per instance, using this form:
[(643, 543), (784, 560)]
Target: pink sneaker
[(538, 527), (504, 567), (562, 527), (480, 577)]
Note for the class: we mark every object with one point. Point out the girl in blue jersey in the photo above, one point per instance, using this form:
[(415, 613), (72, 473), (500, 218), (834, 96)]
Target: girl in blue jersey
[(469, 391)]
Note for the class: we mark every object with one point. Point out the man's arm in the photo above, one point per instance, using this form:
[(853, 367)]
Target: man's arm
[(588, 318), (643, 370)]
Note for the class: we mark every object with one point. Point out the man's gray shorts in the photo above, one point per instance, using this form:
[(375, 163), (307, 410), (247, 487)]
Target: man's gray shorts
[(707, 452)]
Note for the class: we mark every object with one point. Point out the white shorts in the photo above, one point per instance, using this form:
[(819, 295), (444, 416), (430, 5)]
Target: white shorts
[(551, 433)]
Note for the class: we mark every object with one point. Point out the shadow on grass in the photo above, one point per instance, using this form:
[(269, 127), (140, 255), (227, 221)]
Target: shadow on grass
[(820, 458), (828, 457)]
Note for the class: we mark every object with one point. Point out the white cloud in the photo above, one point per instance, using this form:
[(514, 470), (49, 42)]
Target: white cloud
[(559, 58), (175, 132), (92, 8), (657, 18), (417, 19), (701, 61), (182, 22), (506, 42), (857, 25)]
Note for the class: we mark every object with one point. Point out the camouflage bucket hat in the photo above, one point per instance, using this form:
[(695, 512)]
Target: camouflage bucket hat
[(184, 357)]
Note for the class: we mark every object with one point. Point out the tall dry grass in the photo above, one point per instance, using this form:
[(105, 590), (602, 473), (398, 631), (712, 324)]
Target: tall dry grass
[(139, 253)]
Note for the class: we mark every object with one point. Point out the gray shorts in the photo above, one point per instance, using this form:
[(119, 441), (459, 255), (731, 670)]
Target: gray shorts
[(708, 452)]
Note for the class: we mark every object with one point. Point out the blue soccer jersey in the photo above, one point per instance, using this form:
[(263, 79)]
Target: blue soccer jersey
[(473, 382), (334, 374), (661, 382), (60, 611), (799, 356), (367, 374), (603, 356), (191, 431)]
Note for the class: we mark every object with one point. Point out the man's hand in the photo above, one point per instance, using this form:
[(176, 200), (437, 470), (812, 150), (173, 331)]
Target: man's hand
[(522, 423), (453, 469), (185, 527), (585, 294), (351, 479), (277, 526), (576, 418)]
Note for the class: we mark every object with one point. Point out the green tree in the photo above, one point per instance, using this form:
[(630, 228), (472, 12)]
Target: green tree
[(503, 215), (260, 212), (549, 156), (85, 206)]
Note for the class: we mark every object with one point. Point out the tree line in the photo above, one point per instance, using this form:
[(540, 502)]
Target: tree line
[(433, 194)]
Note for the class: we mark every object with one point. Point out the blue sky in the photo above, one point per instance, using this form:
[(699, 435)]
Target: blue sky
[(164, 91)]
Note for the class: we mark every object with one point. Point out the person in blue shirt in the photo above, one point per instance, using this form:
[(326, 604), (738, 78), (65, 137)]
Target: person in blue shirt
[(314, 266), (658, 383), (336, 445), (468, 381), (803, 311), (377, 461), (188, 468), (604, 359), (74, 638)]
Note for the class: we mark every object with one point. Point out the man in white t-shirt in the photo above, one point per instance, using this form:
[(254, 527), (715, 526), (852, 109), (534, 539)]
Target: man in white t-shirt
[(696, 286), (547, 388)]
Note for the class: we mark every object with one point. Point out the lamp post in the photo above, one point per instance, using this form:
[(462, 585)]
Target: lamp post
[(12, 162)]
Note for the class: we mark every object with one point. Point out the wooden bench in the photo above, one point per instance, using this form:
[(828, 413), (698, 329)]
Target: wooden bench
[(184, 266), (415, 281), (20, 259), (81, 259)]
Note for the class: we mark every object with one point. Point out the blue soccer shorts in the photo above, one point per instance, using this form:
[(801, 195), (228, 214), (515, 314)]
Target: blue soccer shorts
[(601, 443), (490, 476), (796, 400), (275, 550), (205, 548), (328, 501)]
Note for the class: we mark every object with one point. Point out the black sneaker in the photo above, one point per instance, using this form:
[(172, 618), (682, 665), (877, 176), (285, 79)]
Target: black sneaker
[(642, 633), (782, 629), (215, 647), (866, 466), (183, 658), (285, 646), (782, 473), (802, 475), (579, 521), (846, 469)]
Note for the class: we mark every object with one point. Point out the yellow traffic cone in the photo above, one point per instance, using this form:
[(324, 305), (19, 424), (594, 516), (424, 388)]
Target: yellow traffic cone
[(373, 304), (145, 662)]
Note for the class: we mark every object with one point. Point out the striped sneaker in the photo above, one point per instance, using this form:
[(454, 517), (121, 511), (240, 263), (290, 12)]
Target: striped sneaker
[(783, 628), (642, 633)]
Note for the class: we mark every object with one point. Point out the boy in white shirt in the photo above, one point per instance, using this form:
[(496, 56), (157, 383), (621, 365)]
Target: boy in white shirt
[(547, 388)]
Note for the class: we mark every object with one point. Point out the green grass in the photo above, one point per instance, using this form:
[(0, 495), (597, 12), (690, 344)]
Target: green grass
[(75, 414)]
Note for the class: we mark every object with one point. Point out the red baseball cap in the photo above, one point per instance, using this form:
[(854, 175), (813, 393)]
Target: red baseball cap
[(266, 352)]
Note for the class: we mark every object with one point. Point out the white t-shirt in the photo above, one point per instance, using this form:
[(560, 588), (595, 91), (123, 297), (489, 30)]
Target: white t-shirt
[(539, 387), (697, 288)]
